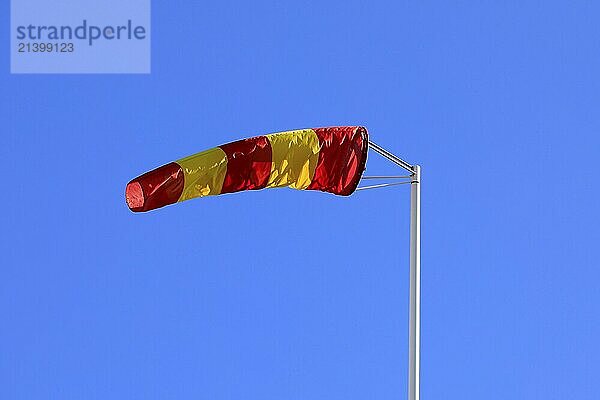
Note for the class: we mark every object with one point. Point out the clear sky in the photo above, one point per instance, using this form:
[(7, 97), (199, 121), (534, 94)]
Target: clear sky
[(282, 294)]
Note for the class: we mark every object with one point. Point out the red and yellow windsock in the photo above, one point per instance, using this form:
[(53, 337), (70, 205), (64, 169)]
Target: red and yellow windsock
[(327, 159)]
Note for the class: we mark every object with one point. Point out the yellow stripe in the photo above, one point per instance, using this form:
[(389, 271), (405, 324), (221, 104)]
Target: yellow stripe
[(295, 156), (204, 173)]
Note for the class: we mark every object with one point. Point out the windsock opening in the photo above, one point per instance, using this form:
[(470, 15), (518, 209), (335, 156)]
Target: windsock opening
[(157, 188), (134, 196)]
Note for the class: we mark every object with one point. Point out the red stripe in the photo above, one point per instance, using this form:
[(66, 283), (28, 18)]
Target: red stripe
[(248, 164), (342, 159), (154, 189)]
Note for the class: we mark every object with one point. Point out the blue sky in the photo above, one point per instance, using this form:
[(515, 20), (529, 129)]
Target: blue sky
[(283, 294)]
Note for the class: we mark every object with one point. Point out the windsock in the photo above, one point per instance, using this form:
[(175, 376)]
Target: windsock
[(327, 159)]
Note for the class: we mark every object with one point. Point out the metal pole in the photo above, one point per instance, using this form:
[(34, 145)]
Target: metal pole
[(414, 336), (414, 333)]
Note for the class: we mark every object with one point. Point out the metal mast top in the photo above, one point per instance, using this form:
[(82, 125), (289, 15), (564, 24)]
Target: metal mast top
[(393, 158)]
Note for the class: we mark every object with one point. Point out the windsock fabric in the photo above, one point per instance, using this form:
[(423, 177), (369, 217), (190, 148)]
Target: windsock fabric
[(326, 159)]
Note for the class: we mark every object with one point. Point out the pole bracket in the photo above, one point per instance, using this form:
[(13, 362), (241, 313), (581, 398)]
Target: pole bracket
[(391, 157)]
